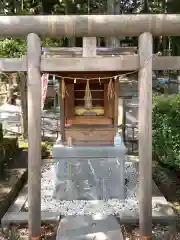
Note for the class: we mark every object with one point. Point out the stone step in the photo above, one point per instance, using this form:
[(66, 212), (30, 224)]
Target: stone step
[(89, 227)]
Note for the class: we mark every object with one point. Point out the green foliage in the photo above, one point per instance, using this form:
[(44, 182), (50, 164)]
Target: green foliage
[(166, 129), (12, 48), (1, 132), (8, 147), (46, 148), (49, 42)]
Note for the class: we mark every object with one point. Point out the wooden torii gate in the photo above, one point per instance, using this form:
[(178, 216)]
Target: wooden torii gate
[(144, 26)]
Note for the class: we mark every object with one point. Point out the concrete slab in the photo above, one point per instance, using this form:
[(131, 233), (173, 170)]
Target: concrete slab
[(12, 187), (89, 228), (17, 205), (162, 212), (22, 218), (87, 152)]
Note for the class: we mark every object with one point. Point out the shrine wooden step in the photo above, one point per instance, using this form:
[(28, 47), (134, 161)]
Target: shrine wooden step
[(90, 135)]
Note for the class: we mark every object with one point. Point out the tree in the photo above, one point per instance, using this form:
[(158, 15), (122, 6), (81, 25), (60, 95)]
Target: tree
[(9, 49)]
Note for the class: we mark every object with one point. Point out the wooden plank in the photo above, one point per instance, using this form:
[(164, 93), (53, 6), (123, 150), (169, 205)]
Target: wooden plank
[(69, 101), (145, 134), (89, 47), (13, 64), (89, 120), (120, 109), (116, 63), (166, 63), (92, 134), (76, 64), (90, 25), (34, 136), (123, 119), (62, 113), (108, 103), (77, 51), (116, 103)]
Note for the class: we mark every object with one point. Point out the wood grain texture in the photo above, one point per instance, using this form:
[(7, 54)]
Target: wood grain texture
[(69, 101), (34, 135), (62, 113), (145, 134), (91, 64), (90, 135), (77, 51), (90, 25), (89, 120), (77, 64), (108, 103), (116, 103)]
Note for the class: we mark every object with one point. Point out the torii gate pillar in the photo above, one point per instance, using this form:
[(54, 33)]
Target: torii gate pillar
[(34, 136), (145, 135)]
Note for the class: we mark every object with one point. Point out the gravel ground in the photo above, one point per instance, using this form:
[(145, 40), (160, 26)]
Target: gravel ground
[(89, 207), (81, 207)]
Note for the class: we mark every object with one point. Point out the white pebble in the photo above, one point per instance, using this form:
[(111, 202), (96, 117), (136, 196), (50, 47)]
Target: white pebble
[(89, 207)]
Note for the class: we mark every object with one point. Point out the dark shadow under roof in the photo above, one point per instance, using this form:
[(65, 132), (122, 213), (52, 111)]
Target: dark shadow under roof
[(77, 51)]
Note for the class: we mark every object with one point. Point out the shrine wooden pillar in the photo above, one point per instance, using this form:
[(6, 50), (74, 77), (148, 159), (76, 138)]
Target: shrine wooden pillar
[(34, 136), (62, 112), (145, 135), (116, 103)]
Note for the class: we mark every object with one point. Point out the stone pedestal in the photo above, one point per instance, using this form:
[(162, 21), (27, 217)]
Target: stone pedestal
[(89, 173)]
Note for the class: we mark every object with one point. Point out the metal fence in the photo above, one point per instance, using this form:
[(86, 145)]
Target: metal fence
[(50, 126), (129, 125)]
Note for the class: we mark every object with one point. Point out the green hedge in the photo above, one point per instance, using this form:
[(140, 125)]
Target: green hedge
[(45, 146), (1, 132), (166, 129), (8, 147)]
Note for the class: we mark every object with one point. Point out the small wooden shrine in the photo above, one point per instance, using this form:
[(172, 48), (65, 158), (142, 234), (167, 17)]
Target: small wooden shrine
[(89, 100)]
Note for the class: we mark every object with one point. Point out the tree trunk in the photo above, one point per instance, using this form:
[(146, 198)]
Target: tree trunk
[(146, 6), (24, 112), (71, 42)]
